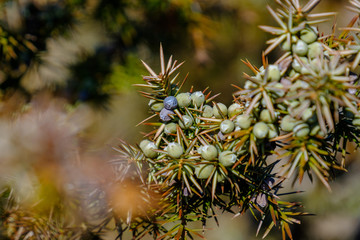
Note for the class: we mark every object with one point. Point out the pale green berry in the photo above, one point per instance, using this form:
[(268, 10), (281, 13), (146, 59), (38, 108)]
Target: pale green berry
[(301, 130), (315, 50), (243, 121), (308, 35), (227, 126), (227, 158), (170, 128), (265, 116), (174, 150), (203, 171), (222, 108), (186, 122), (356, 122), (184, 99), (156, 106), (197, 98), (220, 177), (300, 48), (298, 66), (261, 130), (273, 73), (314, 130), (288, 123), (148, 149), (307, 114), (286, 46), (273, 131), (234, 109), (143, 143), (249, 85), (209, 152), (207, 111), (279, 89)]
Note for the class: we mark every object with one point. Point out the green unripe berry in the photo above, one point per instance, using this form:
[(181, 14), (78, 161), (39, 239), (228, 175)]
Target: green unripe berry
[(222, 108), (220, 177), (300, 48), (148, 148), (286, 46), (184, 99), (197, 98), (207, 111), (186, 122), (265, 116), (143, 143), (273, 132), (170, 128), (227, 158), (234, 109), (308, 35), (288, 123), (307, 114), (273, 73), (227, 126), (315, 49), (261, 130), (174, 150), (297, 66), (156, 106), (249, 85), (356, 122), (203, 171), (243, 121), (301, 130), (209, 152), (314, 130)]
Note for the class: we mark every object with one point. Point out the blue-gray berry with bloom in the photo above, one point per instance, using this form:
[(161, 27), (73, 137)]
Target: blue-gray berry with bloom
[(170, 103), (165, 115)]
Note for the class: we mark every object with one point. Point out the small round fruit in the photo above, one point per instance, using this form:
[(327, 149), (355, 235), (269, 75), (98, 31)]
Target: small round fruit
[(186, 122), (356, 122), (300, 48), (170, 103), (207, 111), (143, 143), (307, 114), (301, 130), (243, 121), (265, 116), (209, 152), (298, 66), (227, 126), (274, 73), (165, 115), (261, 130), (184, 99), (315, 49), (203, 171), (222, 108), (249, 85), (220, 177), (308, 35), (156, 106), (170, 128), (234, 109), (148, 149), (273, 132), (315, 130), (288, 123), (174, 150), (227, 158), (197, 98)]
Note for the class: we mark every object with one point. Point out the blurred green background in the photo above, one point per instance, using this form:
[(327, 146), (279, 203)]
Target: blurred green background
[(66, 74)]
